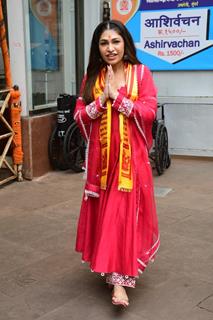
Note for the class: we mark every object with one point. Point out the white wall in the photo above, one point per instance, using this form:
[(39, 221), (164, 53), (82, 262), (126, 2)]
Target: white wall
[(190, 129), (184, 83), (18, 59), (188, 111)]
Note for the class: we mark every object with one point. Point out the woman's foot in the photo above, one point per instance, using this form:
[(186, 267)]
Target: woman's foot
[(119, 296)]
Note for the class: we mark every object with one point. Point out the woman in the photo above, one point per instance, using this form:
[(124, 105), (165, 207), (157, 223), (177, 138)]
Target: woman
[(118, 228)]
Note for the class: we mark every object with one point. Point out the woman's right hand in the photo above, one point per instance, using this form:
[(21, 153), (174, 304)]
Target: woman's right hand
[(106, 88)]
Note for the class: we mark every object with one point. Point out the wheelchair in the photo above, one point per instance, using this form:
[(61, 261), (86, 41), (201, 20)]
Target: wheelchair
[(67, 147), (159, 154), (74, 148)]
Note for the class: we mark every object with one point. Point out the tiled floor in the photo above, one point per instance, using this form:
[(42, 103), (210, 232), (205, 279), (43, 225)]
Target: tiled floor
[(41, 277)]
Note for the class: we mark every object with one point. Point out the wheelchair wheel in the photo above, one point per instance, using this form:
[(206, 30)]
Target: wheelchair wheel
[(168, 162), (162, 158), (74, 148), (55, 151), (154, 128)]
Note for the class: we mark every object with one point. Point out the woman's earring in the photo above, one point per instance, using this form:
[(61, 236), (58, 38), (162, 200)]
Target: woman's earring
[(126, 57)]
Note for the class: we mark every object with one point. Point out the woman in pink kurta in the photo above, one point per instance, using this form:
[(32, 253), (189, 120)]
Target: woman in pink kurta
[(118, 227)]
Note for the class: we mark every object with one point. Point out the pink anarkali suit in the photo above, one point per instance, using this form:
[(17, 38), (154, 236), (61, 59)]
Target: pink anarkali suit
[(117, 230)]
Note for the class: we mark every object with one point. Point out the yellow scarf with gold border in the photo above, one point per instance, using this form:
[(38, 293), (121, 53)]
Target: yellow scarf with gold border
[(125, 180)]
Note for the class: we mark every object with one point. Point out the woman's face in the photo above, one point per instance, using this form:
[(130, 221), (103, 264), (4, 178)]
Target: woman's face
[(111, 47)]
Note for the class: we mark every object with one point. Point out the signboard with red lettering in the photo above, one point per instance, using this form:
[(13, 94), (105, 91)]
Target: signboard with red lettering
[(170, 34)]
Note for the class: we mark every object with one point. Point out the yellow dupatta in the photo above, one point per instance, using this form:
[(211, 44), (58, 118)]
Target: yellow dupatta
[(125, 180)]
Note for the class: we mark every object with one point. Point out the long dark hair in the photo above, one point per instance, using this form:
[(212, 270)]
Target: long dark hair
[(95, 61)]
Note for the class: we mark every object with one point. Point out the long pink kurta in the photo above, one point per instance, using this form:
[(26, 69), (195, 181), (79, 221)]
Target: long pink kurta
[(118, 231)]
